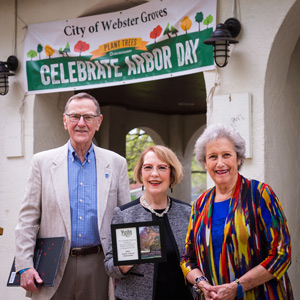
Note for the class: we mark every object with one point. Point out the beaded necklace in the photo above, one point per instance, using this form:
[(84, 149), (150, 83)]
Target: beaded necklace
[(145, 203)]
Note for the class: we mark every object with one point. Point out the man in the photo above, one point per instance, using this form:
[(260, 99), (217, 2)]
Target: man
[(71, 192)]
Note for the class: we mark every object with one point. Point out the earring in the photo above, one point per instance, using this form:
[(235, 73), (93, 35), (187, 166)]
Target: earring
[(142, 187), (171, 188)]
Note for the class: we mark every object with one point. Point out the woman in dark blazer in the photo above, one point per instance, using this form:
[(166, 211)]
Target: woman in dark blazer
[(158, 169)]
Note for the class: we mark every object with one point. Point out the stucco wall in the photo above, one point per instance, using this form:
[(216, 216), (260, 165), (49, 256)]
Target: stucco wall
[(266, 64), (245, 72), (282, 123), (48, 112)]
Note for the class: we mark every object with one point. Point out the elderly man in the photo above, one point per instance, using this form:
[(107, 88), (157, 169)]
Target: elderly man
[(71, 192)]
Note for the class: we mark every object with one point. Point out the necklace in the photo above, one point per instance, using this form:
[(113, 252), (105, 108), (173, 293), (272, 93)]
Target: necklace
[(145, 203)]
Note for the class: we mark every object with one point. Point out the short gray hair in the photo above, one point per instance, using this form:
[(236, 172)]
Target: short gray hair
[(84, 96), (216, 131)]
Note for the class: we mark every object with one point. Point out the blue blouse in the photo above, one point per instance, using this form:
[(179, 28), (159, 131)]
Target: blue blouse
[(220, 212)]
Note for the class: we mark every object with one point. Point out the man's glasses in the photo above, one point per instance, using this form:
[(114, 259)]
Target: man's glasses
[(159, 169), (76, 117)]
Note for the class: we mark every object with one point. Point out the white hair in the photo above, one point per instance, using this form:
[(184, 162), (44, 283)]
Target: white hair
[(216, 131)]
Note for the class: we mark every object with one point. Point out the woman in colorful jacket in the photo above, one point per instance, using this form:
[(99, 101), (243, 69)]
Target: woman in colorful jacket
[(238, 243)]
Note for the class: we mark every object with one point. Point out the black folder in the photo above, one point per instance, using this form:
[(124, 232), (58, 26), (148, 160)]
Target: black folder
[(47, 255)]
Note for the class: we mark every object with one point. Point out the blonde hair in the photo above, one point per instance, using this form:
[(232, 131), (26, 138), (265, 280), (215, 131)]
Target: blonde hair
[(166, 155)]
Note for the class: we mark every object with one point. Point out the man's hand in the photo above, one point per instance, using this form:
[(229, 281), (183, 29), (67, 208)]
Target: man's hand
[(29, 278)]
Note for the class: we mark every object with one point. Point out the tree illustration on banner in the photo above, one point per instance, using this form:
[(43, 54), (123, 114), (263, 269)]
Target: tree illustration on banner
[(49, 51), (208, 20), (65, 51), (186, 24), (81, 47), (167, 31), (39, 50), (156, 32), (170, 31), (199, 18), (31, 54), (174, 30)]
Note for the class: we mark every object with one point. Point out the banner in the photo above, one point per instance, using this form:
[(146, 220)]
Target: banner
[(159, 39)]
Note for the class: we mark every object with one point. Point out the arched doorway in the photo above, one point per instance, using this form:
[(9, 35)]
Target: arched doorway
[(282, 123)]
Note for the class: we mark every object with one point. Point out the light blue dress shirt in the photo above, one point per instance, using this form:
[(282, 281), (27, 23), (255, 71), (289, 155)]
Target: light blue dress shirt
[(83, 198)]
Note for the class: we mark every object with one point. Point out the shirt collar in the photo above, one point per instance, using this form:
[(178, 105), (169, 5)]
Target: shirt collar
[(73, 155)]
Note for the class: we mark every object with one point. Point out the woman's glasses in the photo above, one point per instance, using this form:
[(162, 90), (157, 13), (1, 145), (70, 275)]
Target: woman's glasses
[(160, 169)]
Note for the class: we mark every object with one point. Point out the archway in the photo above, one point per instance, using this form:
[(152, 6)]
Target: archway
[(282, 123)]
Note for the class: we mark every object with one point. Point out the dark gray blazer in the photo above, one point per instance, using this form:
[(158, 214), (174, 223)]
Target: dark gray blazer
[(138, 283)]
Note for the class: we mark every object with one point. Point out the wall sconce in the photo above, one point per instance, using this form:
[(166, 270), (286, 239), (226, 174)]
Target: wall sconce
[(5, 67), (221, 38)]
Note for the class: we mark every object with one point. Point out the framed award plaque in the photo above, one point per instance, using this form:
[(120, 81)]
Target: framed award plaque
[(138, 243)]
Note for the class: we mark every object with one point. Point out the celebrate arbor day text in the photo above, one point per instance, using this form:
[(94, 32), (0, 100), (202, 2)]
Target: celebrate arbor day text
[(146, 62)]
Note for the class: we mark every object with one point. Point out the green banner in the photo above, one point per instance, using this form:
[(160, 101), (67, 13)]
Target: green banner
[(155, 40), (182, 53)]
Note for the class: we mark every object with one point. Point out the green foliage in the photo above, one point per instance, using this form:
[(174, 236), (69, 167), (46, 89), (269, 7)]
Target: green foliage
[(167, 31), (31, 54), (136, 142), (174, 30), (170, 30), (208, 20), (39, 50), (199, 18), (67, 49)]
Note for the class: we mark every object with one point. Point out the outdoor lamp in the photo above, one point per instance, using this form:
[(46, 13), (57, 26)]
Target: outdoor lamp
[(221, 38), (5, 67)]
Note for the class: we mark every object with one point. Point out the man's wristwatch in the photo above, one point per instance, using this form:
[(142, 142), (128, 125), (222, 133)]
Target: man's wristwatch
[(197, 280)]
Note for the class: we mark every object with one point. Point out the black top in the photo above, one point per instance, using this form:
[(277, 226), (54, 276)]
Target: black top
[(168, 279)]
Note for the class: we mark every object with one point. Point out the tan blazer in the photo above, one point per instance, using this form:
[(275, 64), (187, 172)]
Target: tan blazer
[(45, 210)]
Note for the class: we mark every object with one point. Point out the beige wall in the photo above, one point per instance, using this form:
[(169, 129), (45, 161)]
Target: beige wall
[(282, 123)]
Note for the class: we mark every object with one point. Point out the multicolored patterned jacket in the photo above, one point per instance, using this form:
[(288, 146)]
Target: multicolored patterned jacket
[(255, 232)]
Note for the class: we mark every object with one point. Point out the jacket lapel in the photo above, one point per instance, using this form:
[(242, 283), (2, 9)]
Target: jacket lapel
[(103, 182), (59, 174)]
